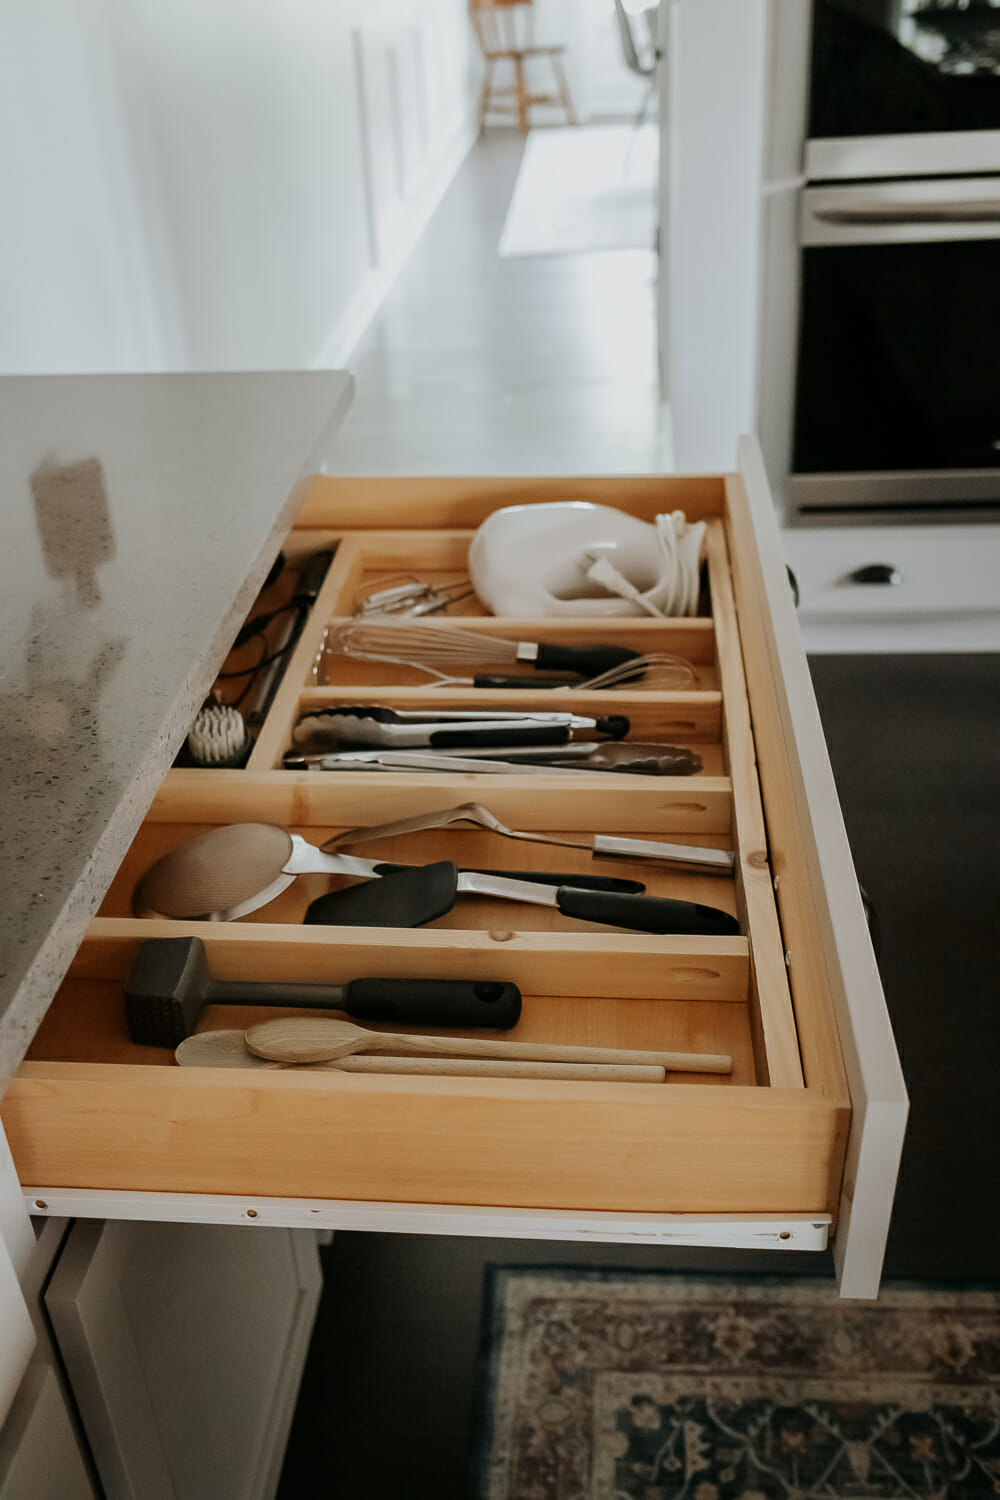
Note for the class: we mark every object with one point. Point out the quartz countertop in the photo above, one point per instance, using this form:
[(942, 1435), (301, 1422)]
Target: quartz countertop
[(141, 514)]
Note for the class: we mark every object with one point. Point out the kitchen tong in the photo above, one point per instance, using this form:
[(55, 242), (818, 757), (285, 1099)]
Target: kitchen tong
[(408, 729)]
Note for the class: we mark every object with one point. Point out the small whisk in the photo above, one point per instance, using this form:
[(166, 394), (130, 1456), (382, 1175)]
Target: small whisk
[(429, 649), (659, 668)]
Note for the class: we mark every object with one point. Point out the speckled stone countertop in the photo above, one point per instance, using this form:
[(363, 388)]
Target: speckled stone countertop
[(140, 515)]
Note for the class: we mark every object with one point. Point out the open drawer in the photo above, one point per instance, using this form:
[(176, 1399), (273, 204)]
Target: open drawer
[(808, 1120)]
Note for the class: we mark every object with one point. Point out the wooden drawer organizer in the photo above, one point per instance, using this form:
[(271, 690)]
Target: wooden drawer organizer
[(90, 1109)]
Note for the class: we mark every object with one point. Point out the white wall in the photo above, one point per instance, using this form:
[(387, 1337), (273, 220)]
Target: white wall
[(191, 185), (713, 116), (75, 289)]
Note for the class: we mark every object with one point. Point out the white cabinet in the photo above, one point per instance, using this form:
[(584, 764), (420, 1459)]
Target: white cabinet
[(16, 1257), (897, 588), (184, 1345), (40, 1456)]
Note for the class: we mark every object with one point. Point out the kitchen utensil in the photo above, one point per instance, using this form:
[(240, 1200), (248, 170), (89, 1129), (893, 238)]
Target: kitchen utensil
[(404, 760), (628, 756), (229, 872), (413, 897), (228, 1049), (683, 856), (218, 737), (307, 590), (660, 669), (376, 726), (169, 985), (415, 597), (315, 1040), (428, 647), (565, 557)]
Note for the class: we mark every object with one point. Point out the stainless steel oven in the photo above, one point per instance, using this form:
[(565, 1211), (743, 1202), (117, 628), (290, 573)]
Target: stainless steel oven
[(899, 86), (897, 376), (897, 392)]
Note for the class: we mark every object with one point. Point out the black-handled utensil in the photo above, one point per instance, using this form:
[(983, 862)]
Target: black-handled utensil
[(170, 984), (411, 898), (374, 726), (427, 647), (612, 883), (234, 870)]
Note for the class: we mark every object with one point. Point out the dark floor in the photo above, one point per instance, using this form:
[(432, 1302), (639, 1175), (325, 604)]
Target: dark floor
[(388, 1401), (913, 744)]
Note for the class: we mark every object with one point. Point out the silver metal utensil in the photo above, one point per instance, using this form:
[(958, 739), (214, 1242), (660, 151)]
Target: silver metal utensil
[(679, 856)]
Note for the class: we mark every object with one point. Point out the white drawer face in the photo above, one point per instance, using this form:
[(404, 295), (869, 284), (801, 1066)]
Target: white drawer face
[(895, 572)]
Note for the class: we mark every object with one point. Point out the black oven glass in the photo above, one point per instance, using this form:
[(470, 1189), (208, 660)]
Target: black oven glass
[(892, 67), (899, 358)]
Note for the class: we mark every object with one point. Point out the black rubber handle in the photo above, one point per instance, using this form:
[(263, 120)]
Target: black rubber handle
[(582, 882), (427, 1002), (589, 661), (505, 680), (514, 734), (434, 1002), (646, 913), (876, 573)]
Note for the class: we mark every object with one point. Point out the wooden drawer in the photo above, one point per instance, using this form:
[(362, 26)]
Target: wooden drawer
[(793, 999)]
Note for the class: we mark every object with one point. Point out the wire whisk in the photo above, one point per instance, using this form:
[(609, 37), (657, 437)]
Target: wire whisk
[(430, 649)]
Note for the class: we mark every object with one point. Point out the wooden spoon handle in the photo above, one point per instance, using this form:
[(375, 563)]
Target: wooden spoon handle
[(475, 1067), (227, 1049), (306, 1039)]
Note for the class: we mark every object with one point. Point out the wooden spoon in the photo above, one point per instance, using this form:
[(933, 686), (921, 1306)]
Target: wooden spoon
[(306, 1040), (228, 1049)]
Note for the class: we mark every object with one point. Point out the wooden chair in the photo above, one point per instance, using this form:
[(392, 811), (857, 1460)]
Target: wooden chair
[(505, 32)]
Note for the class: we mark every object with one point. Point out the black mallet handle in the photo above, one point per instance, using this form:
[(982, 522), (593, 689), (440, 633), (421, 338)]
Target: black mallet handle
[(169, 986)]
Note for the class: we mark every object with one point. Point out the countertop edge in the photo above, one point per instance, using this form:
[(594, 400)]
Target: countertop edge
[(30, 1001)]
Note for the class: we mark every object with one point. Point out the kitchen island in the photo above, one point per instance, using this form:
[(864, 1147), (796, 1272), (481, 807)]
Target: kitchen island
[(140, 516)]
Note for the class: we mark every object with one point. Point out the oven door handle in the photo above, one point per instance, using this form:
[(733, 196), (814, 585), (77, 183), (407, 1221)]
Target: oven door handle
[(902, 211), (984, 211)]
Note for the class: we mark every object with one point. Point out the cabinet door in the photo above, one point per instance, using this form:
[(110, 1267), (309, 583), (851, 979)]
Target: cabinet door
[(16, 1244), (184, 1346), (40, 1457)]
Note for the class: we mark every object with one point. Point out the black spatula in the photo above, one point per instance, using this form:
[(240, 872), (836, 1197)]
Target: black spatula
[(411, 898)]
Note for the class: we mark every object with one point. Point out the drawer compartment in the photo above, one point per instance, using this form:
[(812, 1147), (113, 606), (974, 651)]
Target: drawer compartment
[(92, 1109), (112, 1113)]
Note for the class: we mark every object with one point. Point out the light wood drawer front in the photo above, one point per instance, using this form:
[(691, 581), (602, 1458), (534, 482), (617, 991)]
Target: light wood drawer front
[(92, 1109)]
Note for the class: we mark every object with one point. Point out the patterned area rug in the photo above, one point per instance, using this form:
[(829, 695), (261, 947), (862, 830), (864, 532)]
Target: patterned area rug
[(640, 1386)]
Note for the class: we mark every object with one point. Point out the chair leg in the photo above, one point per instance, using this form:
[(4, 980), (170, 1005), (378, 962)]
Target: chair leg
[(563, 88), (522, 96), (484, 92), (647, 100)]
